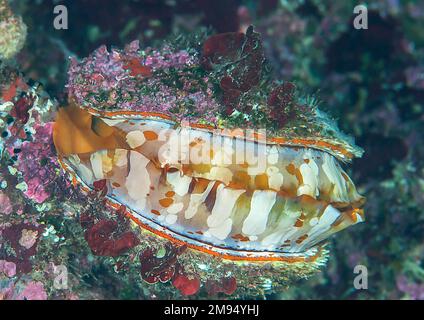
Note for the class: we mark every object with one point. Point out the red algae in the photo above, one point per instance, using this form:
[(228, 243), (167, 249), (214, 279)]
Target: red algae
[(185, 285), (105, 240)]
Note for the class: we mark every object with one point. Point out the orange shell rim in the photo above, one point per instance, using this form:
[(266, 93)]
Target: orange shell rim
[(319, 144)]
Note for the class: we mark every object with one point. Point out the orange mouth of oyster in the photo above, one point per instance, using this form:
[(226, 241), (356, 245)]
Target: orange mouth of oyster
[(277, 204)]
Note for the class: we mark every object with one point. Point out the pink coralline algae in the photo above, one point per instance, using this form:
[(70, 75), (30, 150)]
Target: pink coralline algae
[(5, 205), (38, 164), (23, 239), (28, 238), (147, 81), (166, 59), (7, 268), (34, 290), (414, 290)]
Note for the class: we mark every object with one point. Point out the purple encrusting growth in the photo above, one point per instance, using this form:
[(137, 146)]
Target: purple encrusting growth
[(112, 80), (38, 164), (222, 89)]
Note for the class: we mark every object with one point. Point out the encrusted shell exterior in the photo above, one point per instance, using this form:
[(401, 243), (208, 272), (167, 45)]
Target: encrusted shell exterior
[(133, 92), (174, 83)]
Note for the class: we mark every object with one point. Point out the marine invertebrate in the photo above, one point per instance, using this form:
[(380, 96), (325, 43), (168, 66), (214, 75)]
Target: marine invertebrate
[(163, 133), (12, 31)]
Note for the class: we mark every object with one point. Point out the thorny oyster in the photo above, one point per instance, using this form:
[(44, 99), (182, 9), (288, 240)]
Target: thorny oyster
[(164, 134)]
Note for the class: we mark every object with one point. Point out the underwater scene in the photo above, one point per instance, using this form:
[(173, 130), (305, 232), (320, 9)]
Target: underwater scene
[(211, 150)]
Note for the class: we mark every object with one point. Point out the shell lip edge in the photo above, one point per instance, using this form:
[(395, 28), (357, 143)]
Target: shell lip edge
[(340, 149), (310, 255)]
